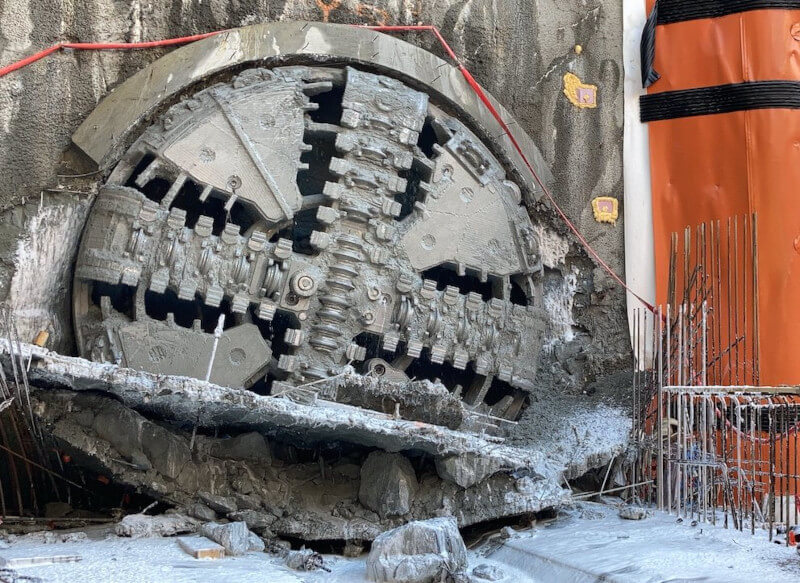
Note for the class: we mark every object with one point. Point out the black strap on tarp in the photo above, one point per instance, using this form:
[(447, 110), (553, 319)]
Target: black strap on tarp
[(648, 49), (680, 10), (671, 11), (720, 99)]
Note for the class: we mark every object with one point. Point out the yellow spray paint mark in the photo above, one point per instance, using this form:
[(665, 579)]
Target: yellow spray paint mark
[(606, 209), (579, 94)]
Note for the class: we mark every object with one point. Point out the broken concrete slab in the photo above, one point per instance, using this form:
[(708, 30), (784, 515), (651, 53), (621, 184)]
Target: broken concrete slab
[(142, 525), (310, 501), (256, 543), (418, 552), (187, 400)]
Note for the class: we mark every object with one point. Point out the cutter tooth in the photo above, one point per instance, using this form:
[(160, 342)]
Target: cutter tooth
[(174, 189), (206, 191), (148, 173)]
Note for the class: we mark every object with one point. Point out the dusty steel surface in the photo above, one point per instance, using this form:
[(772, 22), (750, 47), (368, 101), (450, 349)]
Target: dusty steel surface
[(335, 211)]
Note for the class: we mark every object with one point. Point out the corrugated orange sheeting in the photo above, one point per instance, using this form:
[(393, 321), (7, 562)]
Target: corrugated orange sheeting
[(718, 166)]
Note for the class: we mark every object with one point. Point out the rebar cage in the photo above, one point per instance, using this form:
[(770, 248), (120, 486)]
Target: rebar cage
[(711, 444)]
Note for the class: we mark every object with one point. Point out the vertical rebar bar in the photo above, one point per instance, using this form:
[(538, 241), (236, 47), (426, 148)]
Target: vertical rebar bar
[(669, 409), (718, 312), (729, 301), (660, 416), (785, 489), (771, 489), (756, 330), (746, 371), (736, 306), (754, 419)]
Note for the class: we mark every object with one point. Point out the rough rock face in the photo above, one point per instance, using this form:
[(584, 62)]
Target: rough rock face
[(418, 552), (388, 484), (467, 469), (247, 446)]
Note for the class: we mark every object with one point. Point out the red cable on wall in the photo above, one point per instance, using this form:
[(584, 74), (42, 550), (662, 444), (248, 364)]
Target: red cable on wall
[(103, 47), (419, 28)]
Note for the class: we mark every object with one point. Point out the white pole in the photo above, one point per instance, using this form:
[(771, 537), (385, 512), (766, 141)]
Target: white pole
[(217, 334)]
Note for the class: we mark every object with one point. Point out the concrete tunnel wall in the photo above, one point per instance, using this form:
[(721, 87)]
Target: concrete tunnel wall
[(520, 50)]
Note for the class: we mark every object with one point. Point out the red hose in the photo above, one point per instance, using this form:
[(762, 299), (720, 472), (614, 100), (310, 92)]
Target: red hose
[(419, 28), (103, 47)]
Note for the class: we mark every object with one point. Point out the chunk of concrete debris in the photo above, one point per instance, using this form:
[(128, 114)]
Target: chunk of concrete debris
[(50, 537), (305, 560), (66, 537), (142, 525), (247, 446), (247, 501), (256, 544), (200, 547), (507, 532), (466, 469), (256, 521), (488, 572), (201, 512), (57, 509), (388, 484), (17, 562), (278, 547), (221, 504), (632, 513), (418, 552), (353, 549), (234, 536)]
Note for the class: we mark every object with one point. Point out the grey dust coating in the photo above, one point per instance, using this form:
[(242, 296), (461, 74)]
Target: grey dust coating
[(299, 219)]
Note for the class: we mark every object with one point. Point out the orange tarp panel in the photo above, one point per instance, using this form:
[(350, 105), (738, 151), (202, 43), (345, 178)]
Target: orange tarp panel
[(718, 166)]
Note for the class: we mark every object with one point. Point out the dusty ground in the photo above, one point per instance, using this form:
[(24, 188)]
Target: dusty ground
[(587, 543)]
